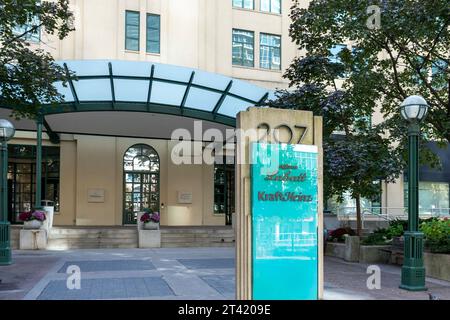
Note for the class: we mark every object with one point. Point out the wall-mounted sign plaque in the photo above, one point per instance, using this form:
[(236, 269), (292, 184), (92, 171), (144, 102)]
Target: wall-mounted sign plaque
[(96, 195)]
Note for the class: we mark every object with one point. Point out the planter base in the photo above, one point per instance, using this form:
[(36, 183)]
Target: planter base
[(33, 240), (149, 239)]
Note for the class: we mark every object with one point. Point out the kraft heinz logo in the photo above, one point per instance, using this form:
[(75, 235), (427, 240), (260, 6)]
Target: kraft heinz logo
[(284, 196)]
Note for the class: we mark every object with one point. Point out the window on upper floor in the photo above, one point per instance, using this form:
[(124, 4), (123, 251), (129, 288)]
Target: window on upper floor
[(132, 30), (153, 33), (273, 6), (246, 4), (270, 51), (243, 48)]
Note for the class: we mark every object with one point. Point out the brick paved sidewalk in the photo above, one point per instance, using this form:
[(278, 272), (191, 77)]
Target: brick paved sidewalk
[(191, 273)]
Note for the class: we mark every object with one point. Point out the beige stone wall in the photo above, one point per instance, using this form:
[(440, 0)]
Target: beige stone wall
[(194, 33), (96, 162)]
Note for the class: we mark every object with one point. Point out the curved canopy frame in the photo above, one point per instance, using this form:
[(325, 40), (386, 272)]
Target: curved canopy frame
[(103, 85)]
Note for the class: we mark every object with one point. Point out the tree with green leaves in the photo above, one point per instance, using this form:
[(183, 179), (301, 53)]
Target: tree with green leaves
[(399, 48), (390, 50), (356, 154), (28, 73)]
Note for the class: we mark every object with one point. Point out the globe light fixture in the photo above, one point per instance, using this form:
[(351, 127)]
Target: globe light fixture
[(6, 133), (414, 109), (6, 130)]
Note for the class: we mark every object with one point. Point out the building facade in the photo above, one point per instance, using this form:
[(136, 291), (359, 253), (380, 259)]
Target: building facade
[(107, 165)]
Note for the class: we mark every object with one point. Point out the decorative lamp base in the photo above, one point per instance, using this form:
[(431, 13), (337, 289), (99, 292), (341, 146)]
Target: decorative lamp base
[(5, 244), (413, 270)]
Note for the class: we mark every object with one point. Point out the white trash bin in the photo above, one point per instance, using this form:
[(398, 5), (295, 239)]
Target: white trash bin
[(49, 212)]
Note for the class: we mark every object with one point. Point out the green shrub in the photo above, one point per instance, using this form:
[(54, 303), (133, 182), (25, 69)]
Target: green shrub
[(437, 235), (376, 238), (396, 228)]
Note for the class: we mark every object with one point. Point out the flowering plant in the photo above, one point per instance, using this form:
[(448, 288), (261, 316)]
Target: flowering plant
[(29, 216), (150, 216)]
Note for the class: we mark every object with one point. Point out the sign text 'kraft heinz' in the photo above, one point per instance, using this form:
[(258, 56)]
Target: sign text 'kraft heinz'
[(284, 188)]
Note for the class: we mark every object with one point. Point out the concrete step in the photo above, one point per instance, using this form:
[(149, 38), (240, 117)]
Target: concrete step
[(92, 237), (196, 244), (179, 237)]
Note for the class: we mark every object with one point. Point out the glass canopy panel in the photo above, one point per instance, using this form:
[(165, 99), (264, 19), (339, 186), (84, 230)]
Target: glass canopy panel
[(93, 90), (88, 67), (247, 90), (210, 80), (231, 106), (131, 90), (167, 93), (65, 91), (202, 99), (169, 72), (131, 68)]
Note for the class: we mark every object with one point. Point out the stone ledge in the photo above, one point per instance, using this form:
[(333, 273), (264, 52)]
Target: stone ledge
[(437, 265)]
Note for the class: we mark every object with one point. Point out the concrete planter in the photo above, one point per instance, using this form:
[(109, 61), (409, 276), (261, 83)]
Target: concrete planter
[(149, 235), (149, 239), (374, 254), (363, 254), (151, 225), (32, 224), (33, 239), (437, 265), (335, 249)]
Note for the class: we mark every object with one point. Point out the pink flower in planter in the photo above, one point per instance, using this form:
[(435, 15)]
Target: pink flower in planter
[(25, 216)]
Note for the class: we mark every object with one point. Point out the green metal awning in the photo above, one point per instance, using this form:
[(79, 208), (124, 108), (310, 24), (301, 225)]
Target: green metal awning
[(156, 88)]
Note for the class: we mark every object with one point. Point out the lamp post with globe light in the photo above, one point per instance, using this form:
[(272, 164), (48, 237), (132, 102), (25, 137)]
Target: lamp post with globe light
[(413, 110), (6, 133)]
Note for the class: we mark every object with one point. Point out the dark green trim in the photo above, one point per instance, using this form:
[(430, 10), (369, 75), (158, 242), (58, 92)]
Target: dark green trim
[(37, 197), (72, 87), (264, 98), (54, 137), (222, 98), (182, 83), (188, 87), (3, 182), (150, 85), (148, 106), (111, 81)]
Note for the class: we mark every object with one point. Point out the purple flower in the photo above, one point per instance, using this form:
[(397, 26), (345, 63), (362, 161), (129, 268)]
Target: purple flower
[(155, 217), (38, 215)]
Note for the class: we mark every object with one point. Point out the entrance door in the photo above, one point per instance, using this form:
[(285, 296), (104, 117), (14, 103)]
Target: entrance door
[(141, 181)]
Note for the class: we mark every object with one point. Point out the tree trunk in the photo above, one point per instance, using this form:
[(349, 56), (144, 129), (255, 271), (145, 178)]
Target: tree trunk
[(358, 215)]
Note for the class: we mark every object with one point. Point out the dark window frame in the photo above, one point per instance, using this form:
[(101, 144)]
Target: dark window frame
[(50, 176), (263, 45), (132, 25), (147, 33), (242, 64)]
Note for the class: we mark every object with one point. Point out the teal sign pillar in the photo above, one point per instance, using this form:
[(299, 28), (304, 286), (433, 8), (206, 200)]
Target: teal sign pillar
[(284, 202)]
